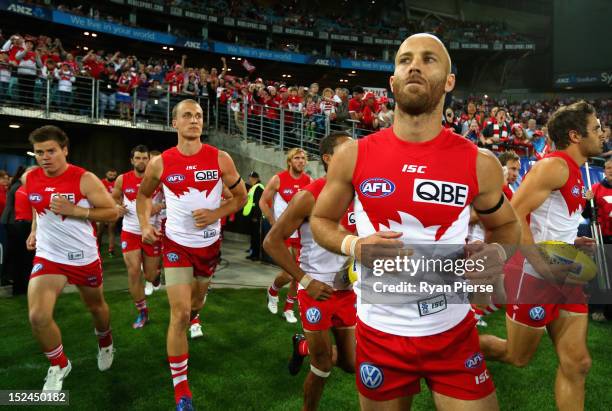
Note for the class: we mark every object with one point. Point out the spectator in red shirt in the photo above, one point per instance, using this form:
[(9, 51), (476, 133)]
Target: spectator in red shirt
[(355, 105)]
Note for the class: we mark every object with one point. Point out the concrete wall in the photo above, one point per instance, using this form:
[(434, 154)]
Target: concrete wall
[(254, 157)]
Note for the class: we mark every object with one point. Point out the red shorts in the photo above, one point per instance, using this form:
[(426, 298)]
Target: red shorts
[(89, 275), (569, 298), (391, 366), (131, 242), (204, 260), (338, 311)]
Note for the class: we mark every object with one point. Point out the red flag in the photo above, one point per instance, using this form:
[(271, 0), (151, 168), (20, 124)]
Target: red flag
[(248, 66)]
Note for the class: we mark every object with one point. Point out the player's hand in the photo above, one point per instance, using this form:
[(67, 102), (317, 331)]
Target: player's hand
[(589, 195), (31, 241), (204, 217), (489, 261), (319, 290), (156, 209), (150, 234), (585, 244), (387, 245), (557, 273), (62, 206), (122, 210)]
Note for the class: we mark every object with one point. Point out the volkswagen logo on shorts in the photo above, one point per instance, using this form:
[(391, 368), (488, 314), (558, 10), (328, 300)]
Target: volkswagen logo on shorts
[(123, 245), (313, 315), (537, 313), (371, 376), (37, 267), (172, 257)]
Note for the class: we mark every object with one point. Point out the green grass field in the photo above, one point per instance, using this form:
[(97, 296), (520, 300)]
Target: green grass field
[(240, 364)]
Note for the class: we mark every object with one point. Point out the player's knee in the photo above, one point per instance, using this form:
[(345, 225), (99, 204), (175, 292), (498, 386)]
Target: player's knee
[(39, 318), (180, 317), (576, 365), (97, 308), (519, 361), (321, 360), (347, 365)]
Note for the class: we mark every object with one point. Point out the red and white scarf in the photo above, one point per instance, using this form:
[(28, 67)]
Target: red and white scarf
[(500, 133)]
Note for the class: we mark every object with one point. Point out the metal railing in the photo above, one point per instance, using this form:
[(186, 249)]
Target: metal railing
[(84, 99)]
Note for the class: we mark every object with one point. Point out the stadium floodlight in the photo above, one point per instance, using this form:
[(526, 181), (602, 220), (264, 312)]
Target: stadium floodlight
[(165, 47), (94, 35), (86, 33), (233, 58), (171, 48), (353, 71), (85, 48), (14, 125), (31, 154)]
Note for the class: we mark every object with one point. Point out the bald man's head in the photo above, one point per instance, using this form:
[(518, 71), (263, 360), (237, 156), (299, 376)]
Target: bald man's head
[(422, 75), (433, 42)]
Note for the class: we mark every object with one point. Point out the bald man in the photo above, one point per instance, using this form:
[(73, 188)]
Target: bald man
[(420, 179)]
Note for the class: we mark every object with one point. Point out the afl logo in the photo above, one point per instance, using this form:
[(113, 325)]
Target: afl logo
[(537, 313), (371, 376), (37, 267), (172, 257), (175, 178), (313, 315), (377, 187), (35, 198), (129, 191), (474, 361)]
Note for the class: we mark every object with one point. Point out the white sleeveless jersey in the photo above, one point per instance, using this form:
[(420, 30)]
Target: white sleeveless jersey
[(287, 188), (130, 185), (560, 214), (64, 240), (191, 183), (320, 264), (424, 191)]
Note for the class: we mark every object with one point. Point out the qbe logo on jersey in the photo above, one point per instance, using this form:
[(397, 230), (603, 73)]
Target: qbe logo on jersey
[(68, 196), (206, 175), (371, 376), (440, 192)]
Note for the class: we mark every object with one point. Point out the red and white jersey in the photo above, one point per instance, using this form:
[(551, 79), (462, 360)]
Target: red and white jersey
[(320, 264), (65, 240), (287, 188), (559, 216), (129, 188), (423, 190), (109, 185), (191, 183)]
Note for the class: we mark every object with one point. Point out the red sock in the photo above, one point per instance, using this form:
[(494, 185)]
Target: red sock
[(273, 291), (178, 369), (478, 313), (57, 357), (195, 318), (303, 348), (142, 305), (289, 303), (105, 338)]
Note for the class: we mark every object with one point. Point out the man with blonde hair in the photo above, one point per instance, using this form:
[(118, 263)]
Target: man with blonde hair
[(276, 196)]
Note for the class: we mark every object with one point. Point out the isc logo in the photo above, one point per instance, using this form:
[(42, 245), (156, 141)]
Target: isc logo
[(377, 187), (412, 168), (206, 175), (175, 178), (440, 192)]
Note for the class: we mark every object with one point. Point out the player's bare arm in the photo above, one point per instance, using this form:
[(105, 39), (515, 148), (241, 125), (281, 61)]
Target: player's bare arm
[(31, 240), (502, 225), (333, 202), (546, 176), (149, 183), (103, 210), (231, 179), (118, 195), (266, 202), (298, 210)]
